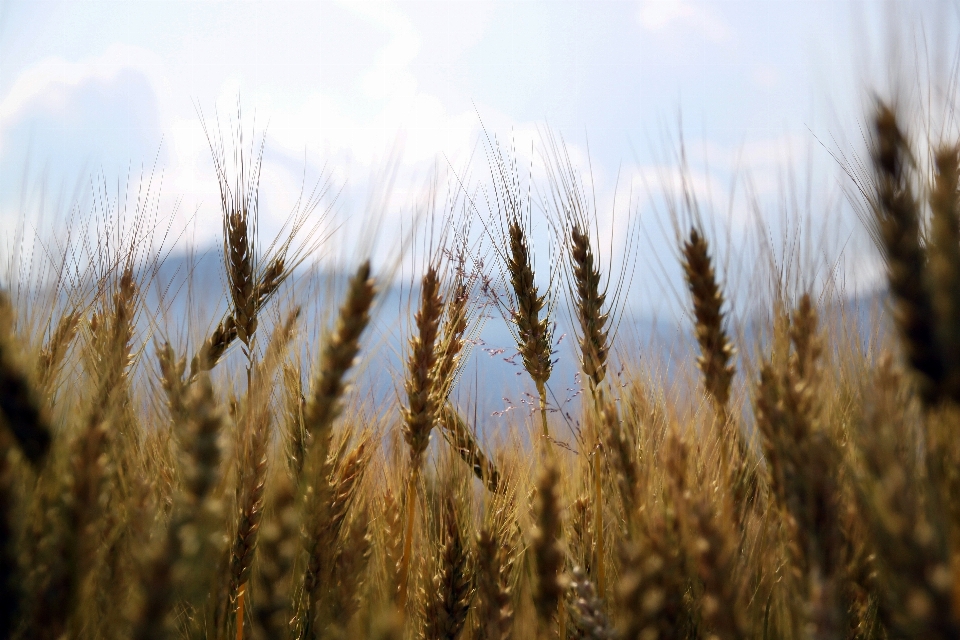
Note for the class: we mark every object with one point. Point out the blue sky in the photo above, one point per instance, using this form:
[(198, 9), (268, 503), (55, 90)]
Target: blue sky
[(103, 88)]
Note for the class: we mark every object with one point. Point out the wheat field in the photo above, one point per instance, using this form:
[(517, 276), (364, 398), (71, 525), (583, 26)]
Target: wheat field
[(229, 487)]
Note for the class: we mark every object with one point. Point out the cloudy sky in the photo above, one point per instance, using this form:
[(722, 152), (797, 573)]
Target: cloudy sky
[(113, 89)]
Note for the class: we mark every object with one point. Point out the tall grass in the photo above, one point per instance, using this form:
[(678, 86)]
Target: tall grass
[(151, 491)]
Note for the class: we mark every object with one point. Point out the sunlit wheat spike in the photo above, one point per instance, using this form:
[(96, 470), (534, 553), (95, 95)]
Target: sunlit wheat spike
[(589, 302), (239, 256), (420, 415), (909, 538), (714, 549), (55, 350), (215, 346), (458, 434), (451, 341), (716, 350), (534, 336), (344, 593), (652, 585), (171, 378), (253, 448), (337, 356), (897, 216), (622, 455), (393, 543)]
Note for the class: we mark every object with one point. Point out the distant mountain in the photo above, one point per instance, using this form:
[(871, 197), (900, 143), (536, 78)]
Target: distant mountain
[(186, 297)]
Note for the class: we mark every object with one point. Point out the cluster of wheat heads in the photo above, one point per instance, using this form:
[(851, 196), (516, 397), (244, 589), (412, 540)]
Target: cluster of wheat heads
[(148, 493)]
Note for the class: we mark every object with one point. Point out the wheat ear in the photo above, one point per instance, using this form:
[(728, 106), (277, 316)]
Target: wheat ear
[(803, 460), (451, 589), (592, 338), (534, 336), (548, 554), (897, 217), (420, 415), (176, 570), (587, 609), (944, 264), (716, 350), (252, 465), (279, 545), (458, 434), (495, 610), (326, 510), (20, 405), (338, 355), (55, 350)]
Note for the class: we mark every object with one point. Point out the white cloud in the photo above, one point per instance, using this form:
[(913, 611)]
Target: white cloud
[(42, 85), (664, 15)]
